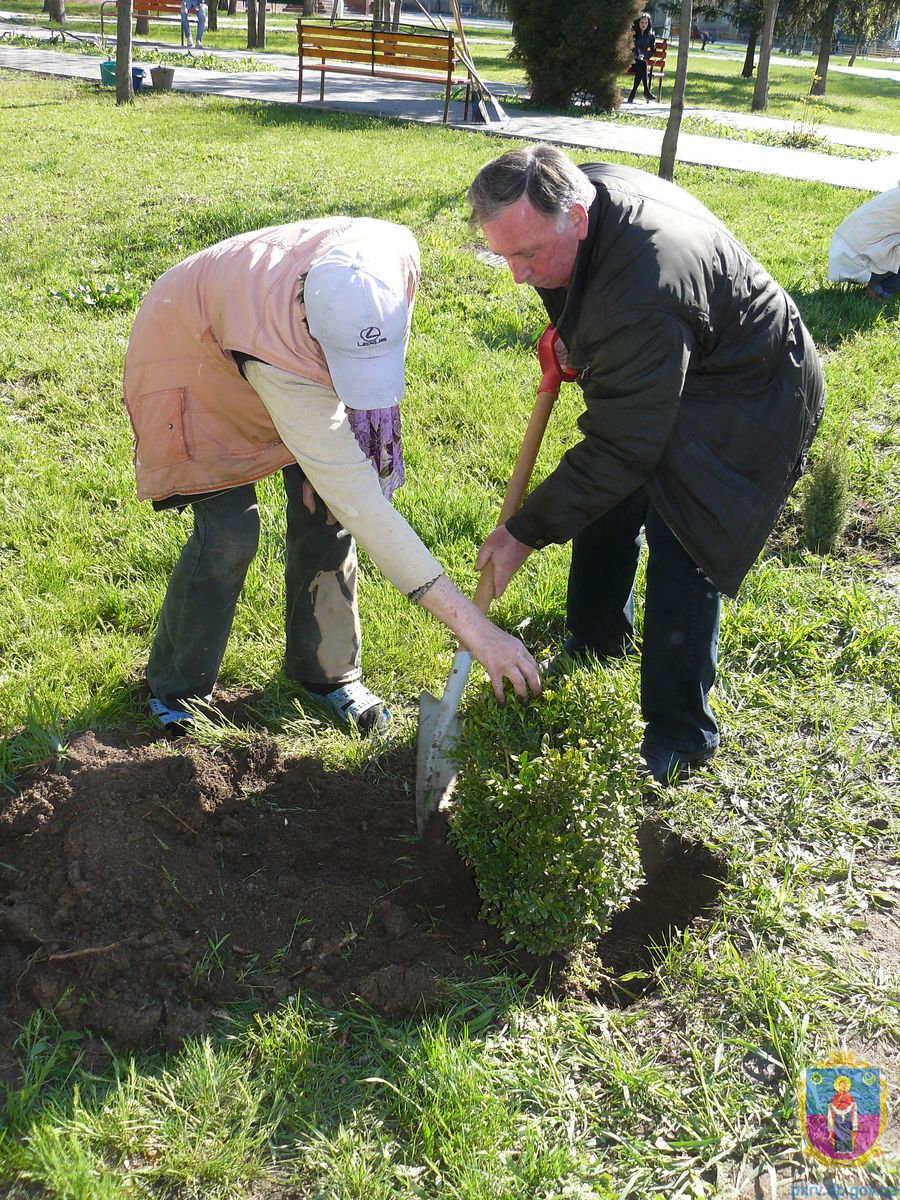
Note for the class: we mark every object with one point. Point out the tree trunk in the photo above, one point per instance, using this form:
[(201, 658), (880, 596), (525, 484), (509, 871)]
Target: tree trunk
[(57, 11), (232, 8), (212, 15), (260, 24), (747, 72), (820, 79), (761, 90), (676, 107), (124, 86), (251, 24), (853, 55), (142, 26)]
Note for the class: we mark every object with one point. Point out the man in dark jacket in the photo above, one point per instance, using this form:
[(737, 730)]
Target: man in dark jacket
[(703, 391)]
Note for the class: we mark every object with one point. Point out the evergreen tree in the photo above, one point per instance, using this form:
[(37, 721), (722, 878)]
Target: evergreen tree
[(573, 50)]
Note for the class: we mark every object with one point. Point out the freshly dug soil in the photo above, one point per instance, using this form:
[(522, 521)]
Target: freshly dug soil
[(143, 885)]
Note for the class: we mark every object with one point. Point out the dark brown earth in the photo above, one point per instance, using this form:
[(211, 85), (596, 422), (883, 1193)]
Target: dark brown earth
[(144, 885)]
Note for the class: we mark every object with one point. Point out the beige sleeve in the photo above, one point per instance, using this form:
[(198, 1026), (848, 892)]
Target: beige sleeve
[(312, 423)]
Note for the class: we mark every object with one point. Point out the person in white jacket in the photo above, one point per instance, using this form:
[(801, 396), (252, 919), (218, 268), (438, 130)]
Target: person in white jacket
[(865, 247)]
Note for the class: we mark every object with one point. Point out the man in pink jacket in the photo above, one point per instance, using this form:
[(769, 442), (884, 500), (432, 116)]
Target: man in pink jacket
[(284, 349)]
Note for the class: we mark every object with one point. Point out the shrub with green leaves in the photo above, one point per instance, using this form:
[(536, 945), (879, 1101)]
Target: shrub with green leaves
[(826, 497), (573, 49), (547, 807)]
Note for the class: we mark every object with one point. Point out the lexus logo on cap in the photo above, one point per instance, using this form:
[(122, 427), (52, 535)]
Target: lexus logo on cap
[(370, 336)]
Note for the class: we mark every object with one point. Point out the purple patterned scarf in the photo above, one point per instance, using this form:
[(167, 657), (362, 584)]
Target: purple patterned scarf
[(377, 430)]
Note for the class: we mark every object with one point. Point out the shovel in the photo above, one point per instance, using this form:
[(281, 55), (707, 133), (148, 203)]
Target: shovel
[(486, 108), (439, 719)]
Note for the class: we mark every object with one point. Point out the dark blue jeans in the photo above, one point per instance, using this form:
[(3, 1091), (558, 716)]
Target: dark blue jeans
[(681, 621), (321, 620)]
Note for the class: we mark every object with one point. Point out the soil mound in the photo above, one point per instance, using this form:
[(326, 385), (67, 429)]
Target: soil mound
[(144, 885), (141, 886)]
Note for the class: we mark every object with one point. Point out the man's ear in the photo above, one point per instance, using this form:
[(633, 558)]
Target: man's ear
[(578, 214)]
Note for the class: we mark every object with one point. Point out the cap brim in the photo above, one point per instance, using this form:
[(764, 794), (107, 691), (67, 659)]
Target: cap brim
[(367, 383)]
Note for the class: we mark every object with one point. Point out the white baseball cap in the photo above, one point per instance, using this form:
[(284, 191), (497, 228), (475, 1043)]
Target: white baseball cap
[(358, 311)]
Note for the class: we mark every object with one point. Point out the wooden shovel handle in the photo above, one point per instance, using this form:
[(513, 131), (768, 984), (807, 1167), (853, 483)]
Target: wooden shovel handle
[(518, 485)]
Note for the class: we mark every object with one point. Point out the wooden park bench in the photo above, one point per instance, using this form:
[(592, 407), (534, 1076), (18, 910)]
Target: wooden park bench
[(149, 10), (361, 49), (656, 67)]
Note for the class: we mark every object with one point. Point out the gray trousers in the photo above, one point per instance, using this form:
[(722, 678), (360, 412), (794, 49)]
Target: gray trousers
[(322, 643)]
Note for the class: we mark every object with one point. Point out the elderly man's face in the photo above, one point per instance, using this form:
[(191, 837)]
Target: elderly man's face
[(536, 250)]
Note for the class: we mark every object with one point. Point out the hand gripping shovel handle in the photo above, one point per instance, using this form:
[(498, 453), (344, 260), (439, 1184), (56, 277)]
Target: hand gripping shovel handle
[(438, 718)]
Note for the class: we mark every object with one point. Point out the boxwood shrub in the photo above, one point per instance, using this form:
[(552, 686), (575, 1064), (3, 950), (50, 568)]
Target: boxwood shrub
[(547, 806)]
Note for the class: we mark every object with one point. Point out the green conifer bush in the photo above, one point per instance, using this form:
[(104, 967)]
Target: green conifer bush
[(573, 50), (826, 496), (547, 806)]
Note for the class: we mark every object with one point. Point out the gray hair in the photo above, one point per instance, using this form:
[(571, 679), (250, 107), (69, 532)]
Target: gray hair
[(551, 182)]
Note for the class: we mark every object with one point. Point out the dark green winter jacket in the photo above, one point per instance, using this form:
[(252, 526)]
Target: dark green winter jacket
[(700, 381)]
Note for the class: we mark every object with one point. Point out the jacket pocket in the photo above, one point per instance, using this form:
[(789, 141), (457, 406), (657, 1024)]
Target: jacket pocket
[(160, 431)]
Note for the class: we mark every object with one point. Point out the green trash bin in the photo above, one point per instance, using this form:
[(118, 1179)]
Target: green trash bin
[(108, 73)]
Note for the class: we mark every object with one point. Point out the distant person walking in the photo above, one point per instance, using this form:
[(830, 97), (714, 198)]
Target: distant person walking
[(644, 45), (188, 7)]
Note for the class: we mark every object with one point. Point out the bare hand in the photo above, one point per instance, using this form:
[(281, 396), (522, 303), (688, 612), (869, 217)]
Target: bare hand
[(502, 655), (561, 350), (309, 503), (506, 553), (505, 657)]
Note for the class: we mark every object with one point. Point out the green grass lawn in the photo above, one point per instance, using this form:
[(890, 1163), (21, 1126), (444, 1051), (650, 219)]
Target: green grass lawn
[(507, 1095)]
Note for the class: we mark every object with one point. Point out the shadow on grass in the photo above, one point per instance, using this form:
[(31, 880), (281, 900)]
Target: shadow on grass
[(836, 311)]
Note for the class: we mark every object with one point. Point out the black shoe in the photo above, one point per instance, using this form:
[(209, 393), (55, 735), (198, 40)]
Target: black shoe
[(674, 766), (630, 100)]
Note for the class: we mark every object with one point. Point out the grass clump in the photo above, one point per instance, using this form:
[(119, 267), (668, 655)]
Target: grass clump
[(826, 497), (546, 816)]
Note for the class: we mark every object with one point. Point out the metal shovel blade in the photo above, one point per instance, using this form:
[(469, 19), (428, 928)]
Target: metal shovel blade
[(438, 729)]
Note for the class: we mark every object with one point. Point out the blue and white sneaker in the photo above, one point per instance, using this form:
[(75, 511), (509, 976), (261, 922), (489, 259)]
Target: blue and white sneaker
[(171, 720), (353, 704)]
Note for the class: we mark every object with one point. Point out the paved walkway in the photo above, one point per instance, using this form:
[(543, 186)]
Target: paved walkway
[(423, 103)]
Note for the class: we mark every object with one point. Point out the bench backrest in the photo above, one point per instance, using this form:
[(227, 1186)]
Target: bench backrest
[(155, 8), (336, 43), (656, 61)]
